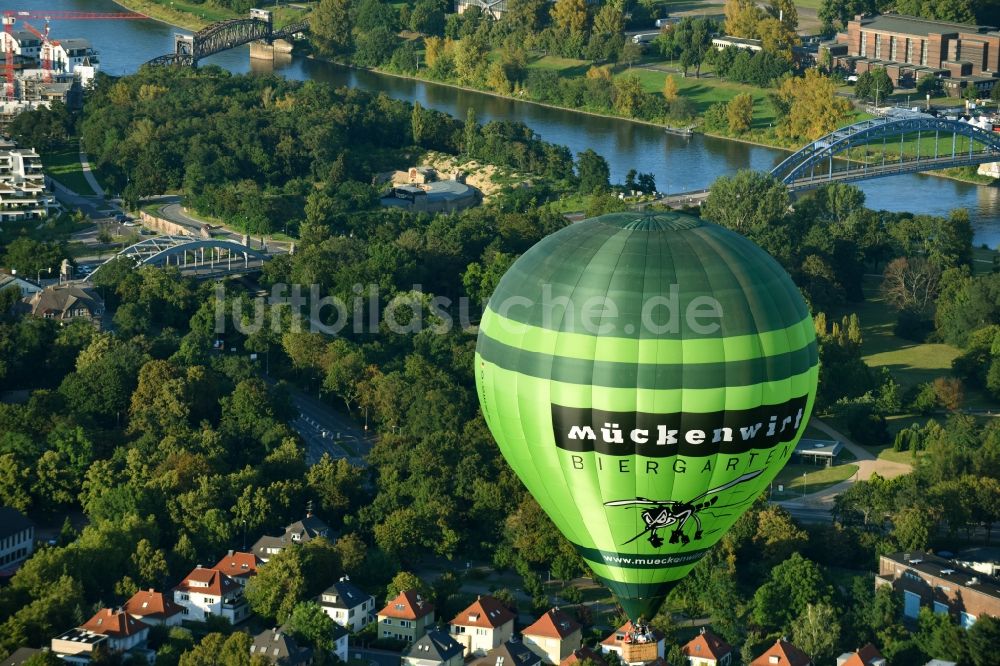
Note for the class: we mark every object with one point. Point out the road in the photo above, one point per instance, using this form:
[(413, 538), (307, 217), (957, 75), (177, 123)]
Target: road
[(325, 430), (806, 514)]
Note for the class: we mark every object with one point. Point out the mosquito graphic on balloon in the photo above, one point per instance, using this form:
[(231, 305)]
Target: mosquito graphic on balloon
[(665, 513), (641, 532)]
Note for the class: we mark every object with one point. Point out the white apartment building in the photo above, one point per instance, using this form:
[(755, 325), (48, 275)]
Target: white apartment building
[(207, 592)]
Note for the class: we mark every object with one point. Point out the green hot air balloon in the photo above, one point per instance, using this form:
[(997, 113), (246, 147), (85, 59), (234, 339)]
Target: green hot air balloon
[(646, 376)]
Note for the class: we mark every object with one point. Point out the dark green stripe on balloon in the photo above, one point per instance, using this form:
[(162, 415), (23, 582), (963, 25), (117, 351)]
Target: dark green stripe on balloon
[(656, 376)]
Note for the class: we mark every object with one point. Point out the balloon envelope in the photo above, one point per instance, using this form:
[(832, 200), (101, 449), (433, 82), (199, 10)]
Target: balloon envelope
[(646, 376)]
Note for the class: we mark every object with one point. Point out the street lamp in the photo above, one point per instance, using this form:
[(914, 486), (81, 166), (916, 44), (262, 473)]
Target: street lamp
[(804, 483), (38, 276)]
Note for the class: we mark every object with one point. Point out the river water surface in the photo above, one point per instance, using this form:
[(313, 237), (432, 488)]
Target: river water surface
[(678, 164)]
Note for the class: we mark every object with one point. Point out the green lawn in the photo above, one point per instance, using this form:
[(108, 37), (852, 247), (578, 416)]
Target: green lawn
[(571, 203), (704, 92), (815, 480), (184, 13), (910, 362), (889, 454), (65, 167)]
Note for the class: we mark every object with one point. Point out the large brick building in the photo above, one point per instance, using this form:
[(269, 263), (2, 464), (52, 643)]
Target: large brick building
[(910, 48), (932, 582)]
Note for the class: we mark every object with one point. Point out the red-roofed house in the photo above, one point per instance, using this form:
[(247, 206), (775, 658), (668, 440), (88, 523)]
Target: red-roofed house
[(635, 648), (484, 625), (707, 649), (154, 608), (869, 655), (239, 566), (207, 592), (580, 655), (554, 636), (407, 617), (782, 653), (124, 632)]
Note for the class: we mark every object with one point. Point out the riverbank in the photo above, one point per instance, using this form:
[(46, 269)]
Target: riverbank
[(956, 174), (179, 14), (187, 15)]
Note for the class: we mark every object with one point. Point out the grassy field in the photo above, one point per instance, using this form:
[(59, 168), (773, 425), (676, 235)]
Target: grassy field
[(910, 362), (815, 480), (704, 92), (194, 16), (65, 167), (179, 12)]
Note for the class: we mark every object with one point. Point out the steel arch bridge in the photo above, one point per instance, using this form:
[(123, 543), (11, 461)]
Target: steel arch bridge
[(224, 35), (814, 165), (189, 254)]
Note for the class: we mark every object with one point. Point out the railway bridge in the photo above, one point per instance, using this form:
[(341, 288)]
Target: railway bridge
[(224, 35)]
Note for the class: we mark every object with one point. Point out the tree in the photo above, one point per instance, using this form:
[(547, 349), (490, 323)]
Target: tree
[(404, 581), (592, 171), (689, 41), (739, 111), (570, 15), (748, 202), (216, 649), (310, 624), (609, 19), (278, 587), (873, 85), (816, 631), (375, 47), (793, 585), (940, 638), (670, 88), (813, 107), (150, 563), (786, 12), (776, 38), (330, 27), (982, 641), (914, 526), (742, 17), (950, 392), (911, 284), (427, 18), (628, 94), (928, 84)]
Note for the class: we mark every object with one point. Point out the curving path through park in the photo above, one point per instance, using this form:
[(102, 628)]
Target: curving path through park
[(867, 463)]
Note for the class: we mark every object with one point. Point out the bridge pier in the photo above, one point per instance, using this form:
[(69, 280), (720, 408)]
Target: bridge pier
[(261, 50)]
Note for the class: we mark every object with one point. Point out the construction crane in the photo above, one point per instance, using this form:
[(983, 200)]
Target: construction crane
[(11, 16), (46, 50)]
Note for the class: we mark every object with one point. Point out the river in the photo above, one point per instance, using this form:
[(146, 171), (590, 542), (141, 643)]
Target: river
[(679, 164)]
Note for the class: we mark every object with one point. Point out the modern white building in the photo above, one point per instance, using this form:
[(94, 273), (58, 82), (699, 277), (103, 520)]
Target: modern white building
[(206, 592), (17, 537), (68, 54), (347, 605), (23, 195)]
